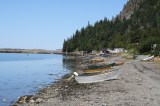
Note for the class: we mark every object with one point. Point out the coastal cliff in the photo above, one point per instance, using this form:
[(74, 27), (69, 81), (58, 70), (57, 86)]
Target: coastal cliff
[(129, 8)]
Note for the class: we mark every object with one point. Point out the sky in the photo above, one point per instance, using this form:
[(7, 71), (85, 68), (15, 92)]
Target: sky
[(44, 24)]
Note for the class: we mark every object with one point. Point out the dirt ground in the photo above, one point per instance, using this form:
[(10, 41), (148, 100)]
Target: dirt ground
[(138, 85)]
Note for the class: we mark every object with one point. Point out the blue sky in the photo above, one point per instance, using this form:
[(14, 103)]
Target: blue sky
[(44, 24)]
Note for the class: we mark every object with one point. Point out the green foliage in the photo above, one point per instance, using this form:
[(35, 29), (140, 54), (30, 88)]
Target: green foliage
[(156, 53), (137, 33)]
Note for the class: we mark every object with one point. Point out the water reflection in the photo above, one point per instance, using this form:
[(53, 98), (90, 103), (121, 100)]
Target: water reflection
[(69, 62)]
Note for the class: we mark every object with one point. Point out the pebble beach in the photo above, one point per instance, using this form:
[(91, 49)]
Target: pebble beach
[(137, 85)]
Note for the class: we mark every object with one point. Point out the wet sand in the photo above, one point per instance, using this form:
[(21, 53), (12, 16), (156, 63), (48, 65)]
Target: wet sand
[(138, 85)]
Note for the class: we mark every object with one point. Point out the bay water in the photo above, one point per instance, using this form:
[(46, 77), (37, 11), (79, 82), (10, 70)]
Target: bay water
[(25, 74)]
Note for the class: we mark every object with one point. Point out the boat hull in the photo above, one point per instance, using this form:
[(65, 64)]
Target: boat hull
[(148, 58), (97, 70), (98, 78)]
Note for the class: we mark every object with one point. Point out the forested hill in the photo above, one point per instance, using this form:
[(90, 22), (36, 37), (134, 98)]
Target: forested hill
[(136, 27)]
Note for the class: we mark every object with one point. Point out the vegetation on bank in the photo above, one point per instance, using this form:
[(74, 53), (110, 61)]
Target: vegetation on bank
[(138, 33)]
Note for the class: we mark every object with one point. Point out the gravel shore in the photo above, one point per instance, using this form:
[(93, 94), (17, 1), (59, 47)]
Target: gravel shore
[(138, 85)]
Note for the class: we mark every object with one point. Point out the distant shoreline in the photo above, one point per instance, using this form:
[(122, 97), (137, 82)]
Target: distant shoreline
[(30, 51)]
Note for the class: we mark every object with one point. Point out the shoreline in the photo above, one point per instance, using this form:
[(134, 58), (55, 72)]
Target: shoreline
[(138, 84), (30, 51)]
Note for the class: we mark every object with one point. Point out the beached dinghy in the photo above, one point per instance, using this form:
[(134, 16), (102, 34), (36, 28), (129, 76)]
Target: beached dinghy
[(119, 63), (100, 66), (95, 60), (84, 78), (148, 58), (95, 69)]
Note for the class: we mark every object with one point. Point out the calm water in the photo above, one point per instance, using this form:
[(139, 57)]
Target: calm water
[(24, 74)]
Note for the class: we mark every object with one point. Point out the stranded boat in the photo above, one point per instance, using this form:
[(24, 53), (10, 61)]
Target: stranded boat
[(100, 68), (91, 78), (95, 69)]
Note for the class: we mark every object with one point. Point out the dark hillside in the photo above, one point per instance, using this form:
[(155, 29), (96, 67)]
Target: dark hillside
[(136, 27)]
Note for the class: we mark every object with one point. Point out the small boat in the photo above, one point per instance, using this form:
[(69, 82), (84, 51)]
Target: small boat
[(96, 60), (100, 66), (119, 63), (84, 78), (95, 69), (148, 58)]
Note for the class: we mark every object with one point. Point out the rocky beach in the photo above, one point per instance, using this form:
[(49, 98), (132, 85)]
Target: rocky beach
[(138, 85)]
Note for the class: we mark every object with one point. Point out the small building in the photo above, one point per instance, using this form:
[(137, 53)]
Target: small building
[(115, 50), (58, 51)]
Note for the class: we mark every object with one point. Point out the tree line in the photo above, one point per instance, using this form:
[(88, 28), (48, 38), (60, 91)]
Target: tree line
[(138, 32)]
